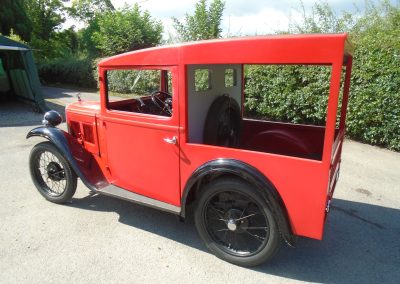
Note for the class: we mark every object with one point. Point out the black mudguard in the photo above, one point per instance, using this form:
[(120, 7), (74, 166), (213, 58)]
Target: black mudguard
[(91, 175), (219, 167)]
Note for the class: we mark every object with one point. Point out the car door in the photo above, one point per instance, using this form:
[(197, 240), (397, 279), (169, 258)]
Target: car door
[(141, 132)]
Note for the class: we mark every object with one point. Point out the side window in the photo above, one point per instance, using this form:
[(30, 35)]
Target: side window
[(286, 107), (142, 91), (295, 94), (230, 78), (202, 80)]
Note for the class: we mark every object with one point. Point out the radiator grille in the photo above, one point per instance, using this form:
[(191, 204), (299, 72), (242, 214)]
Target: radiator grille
[(88, 132), (74, 129)]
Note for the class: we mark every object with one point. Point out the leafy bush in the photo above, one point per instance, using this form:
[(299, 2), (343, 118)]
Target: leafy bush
[(374, 110), (204, 23), (374, 104), (133, 81), (292, 93), (70, 71), (125, 30)]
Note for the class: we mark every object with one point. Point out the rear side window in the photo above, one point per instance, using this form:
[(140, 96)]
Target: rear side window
[(287, 93), (230, 77), (202, 80), (288, 105)]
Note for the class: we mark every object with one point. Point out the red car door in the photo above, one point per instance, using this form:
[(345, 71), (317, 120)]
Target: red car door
[(142, 148)]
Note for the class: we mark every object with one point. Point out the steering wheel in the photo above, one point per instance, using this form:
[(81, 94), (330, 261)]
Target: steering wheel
[(164, 105)]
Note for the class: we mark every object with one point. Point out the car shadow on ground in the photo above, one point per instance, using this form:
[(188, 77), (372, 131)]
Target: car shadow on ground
[(361, 245), (148, 219), (361, 241)]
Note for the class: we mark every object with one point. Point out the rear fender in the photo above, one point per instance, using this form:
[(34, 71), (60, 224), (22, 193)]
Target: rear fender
[(81, 161), (248, 173)]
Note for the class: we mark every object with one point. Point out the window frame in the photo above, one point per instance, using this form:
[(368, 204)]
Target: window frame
[(234, 77), (209, 80), (174, 83)]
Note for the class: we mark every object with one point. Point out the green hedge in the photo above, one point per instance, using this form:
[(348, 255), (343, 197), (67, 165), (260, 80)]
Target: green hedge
[(133, 81), (373, 113), (299, 94), (374, 106), (69, 71), (288, 93)]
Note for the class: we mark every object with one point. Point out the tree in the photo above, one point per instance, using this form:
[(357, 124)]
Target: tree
[(86, 10), (124, 30), (45, 15), (14, 18), (322, 19), (69, 39), (86, 42), (205, 23)]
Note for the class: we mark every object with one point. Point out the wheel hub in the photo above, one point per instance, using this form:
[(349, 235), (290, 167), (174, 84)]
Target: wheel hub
[(54, 171), (233, 221), (231, 225)]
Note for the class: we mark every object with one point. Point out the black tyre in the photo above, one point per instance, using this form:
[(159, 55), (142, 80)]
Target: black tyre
[(51, 173), (236, 223), (223, 123)]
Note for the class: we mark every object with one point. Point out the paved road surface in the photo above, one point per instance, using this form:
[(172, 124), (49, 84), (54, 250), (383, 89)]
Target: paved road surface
[(97, 239)]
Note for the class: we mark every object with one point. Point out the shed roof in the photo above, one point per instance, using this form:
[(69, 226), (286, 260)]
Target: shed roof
[(9, 44)]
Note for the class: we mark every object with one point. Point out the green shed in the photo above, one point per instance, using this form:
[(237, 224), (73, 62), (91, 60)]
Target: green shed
[(18, 74)]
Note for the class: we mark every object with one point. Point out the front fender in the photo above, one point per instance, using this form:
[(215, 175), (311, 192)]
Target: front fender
[(92, 176)]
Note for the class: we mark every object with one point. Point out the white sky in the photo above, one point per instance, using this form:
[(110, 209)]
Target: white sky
[(241, 17)]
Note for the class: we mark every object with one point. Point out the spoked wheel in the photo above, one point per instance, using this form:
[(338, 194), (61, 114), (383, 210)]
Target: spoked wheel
[(235, 223), (51, 173)]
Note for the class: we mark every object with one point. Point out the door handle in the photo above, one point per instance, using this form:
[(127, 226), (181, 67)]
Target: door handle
[(171, 140)]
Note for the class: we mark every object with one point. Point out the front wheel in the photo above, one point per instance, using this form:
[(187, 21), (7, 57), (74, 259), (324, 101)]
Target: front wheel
[(236, 223), (51, 173)]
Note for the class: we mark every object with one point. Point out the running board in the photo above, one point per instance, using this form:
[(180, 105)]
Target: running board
[(117, 192)]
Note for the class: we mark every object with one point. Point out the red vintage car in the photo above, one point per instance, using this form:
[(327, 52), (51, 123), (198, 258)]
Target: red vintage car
[(171, 129)]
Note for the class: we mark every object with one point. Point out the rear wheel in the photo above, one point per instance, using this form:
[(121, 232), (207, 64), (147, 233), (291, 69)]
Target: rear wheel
[(51, 173), (235, 223)]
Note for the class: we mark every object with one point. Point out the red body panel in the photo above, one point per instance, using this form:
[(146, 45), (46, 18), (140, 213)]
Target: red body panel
[(131, 151), (140, 160), (284, 138), (298, 181)]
